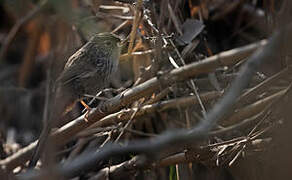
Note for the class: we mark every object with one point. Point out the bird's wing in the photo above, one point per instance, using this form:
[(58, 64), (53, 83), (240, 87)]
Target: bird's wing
[(76, 72), (77, 56)]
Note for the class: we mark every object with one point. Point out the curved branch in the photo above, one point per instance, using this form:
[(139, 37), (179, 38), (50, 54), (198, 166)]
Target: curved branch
[(154, 147), (68, 131)]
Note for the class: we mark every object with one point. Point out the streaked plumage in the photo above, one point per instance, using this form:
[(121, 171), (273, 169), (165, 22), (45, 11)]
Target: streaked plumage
[(86, 72)]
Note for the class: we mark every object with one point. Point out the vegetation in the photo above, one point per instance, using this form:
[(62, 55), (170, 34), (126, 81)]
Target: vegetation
[(203, 90)]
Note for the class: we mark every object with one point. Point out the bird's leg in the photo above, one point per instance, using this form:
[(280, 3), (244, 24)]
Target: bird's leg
[(87, 108)]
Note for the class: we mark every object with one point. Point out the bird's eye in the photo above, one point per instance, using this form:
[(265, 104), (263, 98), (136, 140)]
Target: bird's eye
[(107, 43)]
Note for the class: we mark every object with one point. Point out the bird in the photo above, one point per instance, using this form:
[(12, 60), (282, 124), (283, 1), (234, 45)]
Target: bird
[(87, 71)]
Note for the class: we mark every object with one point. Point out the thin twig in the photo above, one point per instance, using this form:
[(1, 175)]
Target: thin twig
[(128, 123), (152, 148), (135, 25), (194, 87), (67, 132), (126, 22)]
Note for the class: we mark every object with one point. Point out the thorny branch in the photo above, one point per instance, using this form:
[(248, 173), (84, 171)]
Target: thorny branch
[(68, 131), (180, 137)]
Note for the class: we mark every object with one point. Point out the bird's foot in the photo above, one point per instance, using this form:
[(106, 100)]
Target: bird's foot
[(87, 112)]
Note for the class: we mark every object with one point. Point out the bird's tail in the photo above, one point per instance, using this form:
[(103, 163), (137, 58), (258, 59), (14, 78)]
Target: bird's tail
[(59, 103)]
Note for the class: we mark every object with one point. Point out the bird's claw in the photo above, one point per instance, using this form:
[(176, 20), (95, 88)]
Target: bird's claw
[(87, 112)]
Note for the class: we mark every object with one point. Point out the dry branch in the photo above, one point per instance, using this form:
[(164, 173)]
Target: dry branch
[(253, 109), (167, 140), (251, 93), (65, 133), (125, 114)]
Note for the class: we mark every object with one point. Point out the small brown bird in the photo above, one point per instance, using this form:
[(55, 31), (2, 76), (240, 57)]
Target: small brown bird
[(86, 72)]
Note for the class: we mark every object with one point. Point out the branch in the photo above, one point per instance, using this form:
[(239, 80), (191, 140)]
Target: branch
[(152, 148), (68, 131), (124, 115)]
